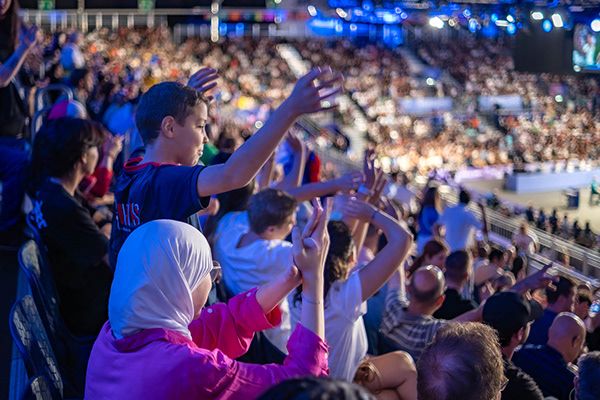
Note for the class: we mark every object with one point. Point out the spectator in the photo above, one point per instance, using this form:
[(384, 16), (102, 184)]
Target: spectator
[(491, 271), (583, 301), (428, 216), (553, 222), (346, 293), (67, 150), (587, 382), (17, 42), (519, 267), (171, 119), (541, 220), (511, 315), (548, 364), (463, 362), (310, 388), (460, 223), (412, 327), (71, 56), (524, 240), (252, 253), (459, 267), (561, 299), (434, 253), (159, 327)]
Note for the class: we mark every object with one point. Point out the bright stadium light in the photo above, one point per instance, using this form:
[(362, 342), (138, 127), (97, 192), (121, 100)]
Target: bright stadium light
[(312, 11), (536, 15), (511, 29), (341, 13), (510, 18), (436, 22), (595, 25), (547, 26), (557, 20), (501, 22)]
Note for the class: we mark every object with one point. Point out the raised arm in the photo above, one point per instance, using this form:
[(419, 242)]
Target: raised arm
[(244, 164), (10, 68), (294, 178), (309, 191), (374, 275)]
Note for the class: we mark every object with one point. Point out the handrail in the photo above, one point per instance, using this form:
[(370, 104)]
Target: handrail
[(43, 105)]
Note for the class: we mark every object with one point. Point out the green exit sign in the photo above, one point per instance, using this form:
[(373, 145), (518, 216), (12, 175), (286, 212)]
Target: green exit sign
[(146, 5), (46, 4)]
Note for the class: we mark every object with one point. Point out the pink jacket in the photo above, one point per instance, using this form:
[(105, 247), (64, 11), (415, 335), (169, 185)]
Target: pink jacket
[(163, 364)]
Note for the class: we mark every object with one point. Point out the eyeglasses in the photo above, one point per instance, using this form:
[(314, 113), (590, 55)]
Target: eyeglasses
[(215, 272)]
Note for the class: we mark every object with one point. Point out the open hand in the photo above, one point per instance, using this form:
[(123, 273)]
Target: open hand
[(203, 80), (307, 96), (358, 209)]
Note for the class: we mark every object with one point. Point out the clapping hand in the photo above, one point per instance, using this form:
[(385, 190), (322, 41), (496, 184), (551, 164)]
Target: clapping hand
[(311, 245), (307, 95), (203, 80)]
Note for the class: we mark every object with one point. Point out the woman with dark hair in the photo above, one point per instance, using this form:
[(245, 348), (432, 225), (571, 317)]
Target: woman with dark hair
[(428, 216), (16, 43), (434, 253), (67, 150), (346, 290), (311, 388)]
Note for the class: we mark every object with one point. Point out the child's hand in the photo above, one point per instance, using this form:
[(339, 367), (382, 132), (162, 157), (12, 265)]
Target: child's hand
[(311, 246), (307, 96), (203, 80)]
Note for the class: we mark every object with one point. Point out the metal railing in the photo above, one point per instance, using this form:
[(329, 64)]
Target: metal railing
[(43, 105)]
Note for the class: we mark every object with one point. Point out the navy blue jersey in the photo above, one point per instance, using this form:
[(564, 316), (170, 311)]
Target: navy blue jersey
[(149, 191)]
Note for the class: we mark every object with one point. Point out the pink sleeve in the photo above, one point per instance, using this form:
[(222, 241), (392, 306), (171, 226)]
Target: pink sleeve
[(230, 327), (224, 378)]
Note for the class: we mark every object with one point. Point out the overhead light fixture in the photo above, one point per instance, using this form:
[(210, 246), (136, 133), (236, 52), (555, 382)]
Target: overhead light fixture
[(510, 18), (436, 22), (536, 15), (547, 25), (341, 13), (595, 25), (557, 20), (312, 11)]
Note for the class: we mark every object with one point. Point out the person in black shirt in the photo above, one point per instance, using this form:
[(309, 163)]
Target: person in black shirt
[(587, 383), (510, 315), (77, 247), (549, 364), (459, 266)]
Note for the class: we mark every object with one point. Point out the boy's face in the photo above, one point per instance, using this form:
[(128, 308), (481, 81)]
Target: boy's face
[(191, 136), (282, 231)]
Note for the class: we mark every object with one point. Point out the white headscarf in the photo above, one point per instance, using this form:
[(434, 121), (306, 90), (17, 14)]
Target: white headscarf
[(158, 268)]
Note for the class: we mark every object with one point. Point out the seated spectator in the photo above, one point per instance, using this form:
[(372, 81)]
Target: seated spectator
[(411, 327), (159, 328), (511, 315), (561, 299), (463, 362), (587, 381), (458, 270), (67, 151), (311, 388), (460, 223), (171, 119), (346, 293), (548, 364), (252, 253), (434, 253)]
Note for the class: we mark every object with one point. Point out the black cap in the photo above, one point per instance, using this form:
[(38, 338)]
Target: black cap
[(507, 312)]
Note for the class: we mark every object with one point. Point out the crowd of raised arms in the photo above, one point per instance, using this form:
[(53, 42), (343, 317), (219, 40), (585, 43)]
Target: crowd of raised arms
[(219, 257)]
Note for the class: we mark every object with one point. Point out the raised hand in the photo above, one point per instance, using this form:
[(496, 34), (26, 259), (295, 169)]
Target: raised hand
[(296, 144), (360, 210), (540, 280), (28, 36), (307, 96), (312, 244), (203, 80), (349, 182), (113, 146)]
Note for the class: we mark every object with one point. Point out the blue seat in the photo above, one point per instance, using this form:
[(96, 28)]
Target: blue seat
[(30, 338), (72, 351), (38, 389)]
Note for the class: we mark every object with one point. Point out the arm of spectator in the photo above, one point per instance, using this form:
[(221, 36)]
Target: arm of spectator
[(265, 175), (374, 275), (294, 178), (319, 189), (484, 221), (244, 164), (475, 315), (10, 68), (539, 280), (230, 327), (273, 293)]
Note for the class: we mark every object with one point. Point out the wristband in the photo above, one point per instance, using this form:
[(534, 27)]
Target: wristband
[(362, 189)]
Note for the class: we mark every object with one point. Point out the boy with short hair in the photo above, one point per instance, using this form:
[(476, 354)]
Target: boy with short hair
[(168, 183), (253, 252)]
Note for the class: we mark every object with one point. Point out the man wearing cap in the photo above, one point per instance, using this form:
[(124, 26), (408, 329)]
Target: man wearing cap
[(510, 315)]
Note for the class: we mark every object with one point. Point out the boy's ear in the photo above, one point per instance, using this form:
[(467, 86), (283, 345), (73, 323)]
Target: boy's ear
[(167, 125)]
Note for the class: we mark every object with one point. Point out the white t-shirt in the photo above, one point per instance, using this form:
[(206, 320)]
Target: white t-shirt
[(344, 327), (254, 265), (459, 223)]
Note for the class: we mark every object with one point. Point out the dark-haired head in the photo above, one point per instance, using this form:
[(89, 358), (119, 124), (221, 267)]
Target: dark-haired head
[(311, 388), (562, 296), (10, 25), (166, 99), (434, 253), (64, 145), (464, 197)]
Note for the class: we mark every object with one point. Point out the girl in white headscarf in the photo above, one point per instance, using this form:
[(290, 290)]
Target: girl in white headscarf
[(160, 343)]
